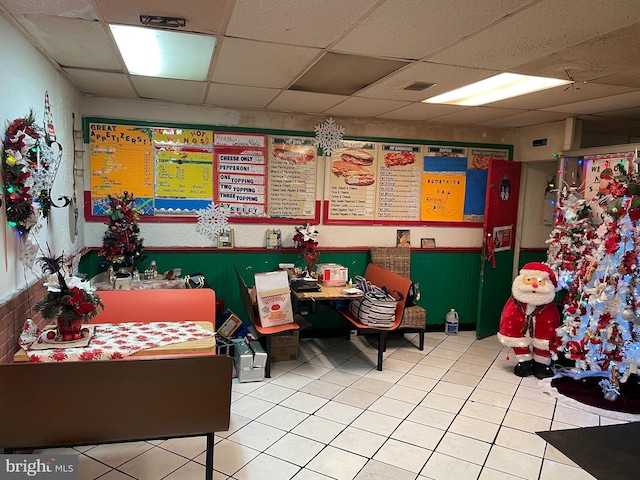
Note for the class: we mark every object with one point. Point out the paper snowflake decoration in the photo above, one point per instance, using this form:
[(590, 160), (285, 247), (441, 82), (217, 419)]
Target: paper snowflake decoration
[(328, 136), (212, 220)]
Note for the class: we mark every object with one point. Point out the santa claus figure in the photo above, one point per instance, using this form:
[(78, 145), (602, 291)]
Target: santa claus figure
[(529, 320)]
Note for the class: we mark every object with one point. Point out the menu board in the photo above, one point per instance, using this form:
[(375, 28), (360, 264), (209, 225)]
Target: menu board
[(352, 174), (274, 177), (241, 172), (121, 159), (184, 169), (399, 168), (292, 177)]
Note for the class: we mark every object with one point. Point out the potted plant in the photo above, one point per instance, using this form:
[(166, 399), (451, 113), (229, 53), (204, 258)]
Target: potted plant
[(306, 240), (69, 300)]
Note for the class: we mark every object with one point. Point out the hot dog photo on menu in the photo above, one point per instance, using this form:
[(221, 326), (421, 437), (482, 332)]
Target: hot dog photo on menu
[(354, 165)]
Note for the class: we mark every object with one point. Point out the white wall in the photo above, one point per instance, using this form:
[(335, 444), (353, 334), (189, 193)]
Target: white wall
[(25, 78), (254, 235)]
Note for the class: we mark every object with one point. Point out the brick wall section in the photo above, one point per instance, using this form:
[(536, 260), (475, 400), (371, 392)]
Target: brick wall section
[(13, 314)]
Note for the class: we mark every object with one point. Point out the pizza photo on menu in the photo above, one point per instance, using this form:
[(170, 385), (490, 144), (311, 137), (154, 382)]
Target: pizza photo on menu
[(398, 159)]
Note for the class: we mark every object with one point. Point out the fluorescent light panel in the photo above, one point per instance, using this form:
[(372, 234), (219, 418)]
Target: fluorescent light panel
[(498, 87), (159, 53)]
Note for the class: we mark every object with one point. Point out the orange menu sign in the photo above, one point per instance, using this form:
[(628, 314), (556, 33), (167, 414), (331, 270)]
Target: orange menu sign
[(121, 160)]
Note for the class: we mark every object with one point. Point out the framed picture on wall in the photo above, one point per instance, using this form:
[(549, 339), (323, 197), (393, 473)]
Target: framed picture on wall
[(403, 238), (428, 243), (225, 238)]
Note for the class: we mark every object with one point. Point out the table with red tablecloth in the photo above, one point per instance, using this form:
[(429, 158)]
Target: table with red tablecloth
[(119, 340)]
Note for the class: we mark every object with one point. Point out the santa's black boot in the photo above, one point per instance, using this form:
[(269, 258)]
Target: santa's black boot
[(524, 369), (540, 370)]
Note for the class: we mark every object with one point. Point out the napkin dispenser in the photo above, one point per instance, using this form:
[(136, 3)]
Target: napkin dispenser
[(250, 360)]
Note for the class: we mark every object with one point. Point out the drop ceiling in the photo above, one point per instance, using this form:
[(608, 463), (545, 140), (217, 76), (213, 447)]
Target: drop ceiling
[(311, 56)]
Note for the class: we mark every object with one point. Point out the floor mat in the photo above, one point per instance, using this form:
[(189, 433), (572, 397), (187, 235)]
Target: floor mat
[(607, 453)]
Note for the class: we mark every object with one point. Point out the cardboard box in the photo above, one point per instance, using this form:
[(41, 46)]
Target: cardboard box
[(332, 274), (285, 346), (274, 298), (230, 325)]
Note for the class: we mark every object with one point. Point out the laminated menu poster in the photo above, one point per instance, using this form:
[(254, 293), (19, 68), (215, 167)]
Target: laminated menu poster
[(351, 171), (399, 171), (184, 169), (121, 159), (292, 177), (443, 188), (241, 172)]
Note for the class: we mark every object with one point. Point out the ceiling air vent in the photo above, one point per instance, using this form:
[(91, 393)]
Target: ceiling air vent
[(418, 86)]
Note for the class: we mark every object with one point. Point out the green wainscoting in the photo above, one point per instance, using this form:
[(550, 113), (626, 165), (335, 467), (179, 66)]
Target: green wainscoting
[(447, 279), (531, 255)]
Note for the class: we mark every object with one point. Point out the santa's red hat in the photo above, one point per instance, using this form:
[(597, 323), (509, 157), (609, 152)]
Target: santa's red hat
[(536, 268)]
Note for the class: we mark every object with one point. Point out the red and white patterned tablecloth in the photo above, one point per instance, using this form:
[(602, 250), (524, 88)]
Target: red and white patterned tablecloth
[(113, 341)]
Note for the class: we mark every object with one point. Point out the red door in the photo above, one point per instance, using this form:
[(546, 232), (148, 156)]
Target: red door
[(500, 219)]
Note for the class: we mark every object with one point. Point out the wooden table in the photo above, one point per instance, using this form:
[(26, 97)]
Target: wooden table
[(326, 293), (203, 345)]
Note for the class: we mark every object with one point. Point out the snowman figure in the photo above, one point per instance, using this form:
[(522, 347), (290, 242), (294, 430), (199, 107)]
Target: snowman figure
[(529, 320)]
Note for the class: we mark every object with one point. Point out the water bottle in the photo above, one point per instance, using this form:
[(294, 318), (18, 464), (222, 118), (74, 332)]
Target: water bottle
[(451, 323)]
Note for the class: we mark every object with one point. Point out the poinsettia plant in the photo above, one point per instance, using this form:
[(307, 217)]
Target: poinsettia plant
[(306, 237), (68, 297)]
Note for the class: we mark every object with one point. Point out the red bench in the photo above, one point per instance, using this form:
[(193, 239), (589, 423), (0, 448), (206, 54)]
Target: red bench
[(393, 282)]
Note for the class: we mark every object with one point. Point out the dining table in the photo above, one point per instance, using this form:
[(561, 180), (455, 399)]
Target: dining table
[(119, 340)]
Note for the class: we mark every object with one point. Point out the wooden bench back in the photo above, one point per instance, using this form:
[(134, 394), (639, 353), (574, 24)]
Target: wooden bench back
[(392, 281), (171, 305), (113, 400)]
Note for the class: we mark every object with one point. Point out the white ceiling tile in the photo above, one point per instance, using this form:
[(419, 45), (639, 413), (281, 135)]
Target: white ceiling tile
[(313, 24), (544, 28), (365, 107), (60, 8), (295, 101), (561, 95), (421, 111), (106, 84), (223, 95), (525, 119), (477, 115), (595, 59), (445, 77), (599, 105), (73, 42), (246, 62), (415, 28), (182, 91), (206, 16)]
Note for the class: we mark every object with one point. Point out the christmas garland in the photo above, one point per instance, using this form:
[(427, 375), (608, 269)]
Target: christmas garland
[(20, 155)]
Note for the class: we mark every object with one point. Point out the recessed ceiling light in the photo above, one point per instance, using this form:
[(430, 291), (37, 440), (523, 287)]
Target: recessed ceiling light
[(498, 87), (159, 53)]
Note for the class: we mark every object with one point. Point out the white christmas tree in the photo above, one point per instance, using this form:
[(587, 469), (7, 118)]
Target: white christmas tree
[(601, 297)]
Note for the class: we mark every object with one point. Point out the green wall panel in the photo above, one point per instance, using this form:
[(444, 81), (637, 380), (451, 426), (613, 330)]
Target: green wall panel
[(447, 279)]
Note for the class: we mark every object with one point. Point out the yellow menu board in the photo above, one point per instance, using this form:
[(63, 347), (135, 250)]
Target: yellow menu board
[(184, 169), (443, 197), (121, 159)]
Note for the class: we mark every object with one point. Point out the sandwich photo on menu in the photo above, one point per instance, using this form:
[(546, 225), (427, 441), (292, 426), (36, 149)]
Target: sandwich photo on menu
[(294, 153), (351, 167)]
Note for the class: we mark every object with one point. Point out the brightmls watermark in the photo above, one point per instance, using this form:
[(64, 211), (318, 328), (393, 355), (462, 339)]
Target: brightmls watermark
[(49, 467)]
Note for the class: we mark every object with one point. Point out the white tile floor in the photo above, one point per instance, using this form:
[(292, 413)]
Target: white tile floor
[(453, 411)]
